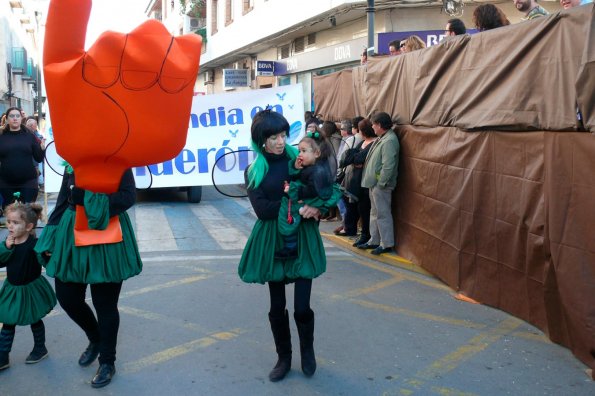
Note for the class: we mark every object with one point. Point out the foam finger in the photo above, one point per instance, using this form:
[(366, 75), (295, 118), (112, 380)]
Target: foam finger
[(101, 64), (65, 30), (146, 47), (181, 64)]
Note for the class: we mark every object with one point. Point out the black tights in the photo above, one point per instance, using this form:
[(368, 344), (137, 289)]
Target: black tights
[(301, 299), (104, 329), (8, 327)]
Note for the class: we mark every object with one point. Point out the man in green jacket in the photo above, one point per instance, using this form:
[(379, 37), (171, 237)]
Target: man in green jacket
[(380, 177)]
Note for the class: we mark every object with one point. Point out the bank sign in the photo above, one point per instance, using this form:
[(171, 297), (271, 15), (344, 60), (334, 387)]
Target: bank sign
[(218, 140), (265, 68)]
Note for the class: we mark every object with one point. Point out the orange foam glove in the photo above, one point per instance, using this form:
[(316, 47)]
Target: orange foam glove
[(123, 103)]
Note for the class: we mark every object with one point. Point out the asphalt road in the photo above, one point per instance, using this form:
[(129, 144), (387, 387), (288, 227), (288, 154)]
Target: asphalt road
[(190, 326)]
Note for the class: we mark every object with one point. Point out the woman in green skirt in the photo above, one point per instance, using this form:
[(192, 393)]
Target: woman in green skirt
[(265, 178), (103, 266), (26, 296)]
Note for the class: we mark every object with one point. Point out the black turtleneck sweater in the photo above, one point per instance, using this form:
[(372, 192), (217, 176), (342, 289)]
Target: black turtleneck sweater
[(266, 199), (18, 149), (22, 266)]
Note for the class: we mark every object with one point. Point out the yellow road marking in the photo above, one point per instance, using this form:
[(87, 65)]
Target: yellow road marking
[(177, 351), (434, 283), (369, 289), (421, 315), (473, 347), (149, 289), (532, 337), (450, 392), (139, 313)]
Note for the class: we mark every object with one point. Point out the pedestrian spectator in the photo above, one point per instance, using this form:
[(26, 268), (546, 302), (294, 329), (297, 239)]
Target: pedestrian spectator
[(412, 43), (3, 121), (348, 142), (394, 48), (488, 16), (363, 58), (356, 197), (32, 125), (103, 265), (312, 124), (380, 176), (331, 132), (18, 149), (311, 184), (455, 27), (26, 296), (530, 8), (265, 178), (567, 4)]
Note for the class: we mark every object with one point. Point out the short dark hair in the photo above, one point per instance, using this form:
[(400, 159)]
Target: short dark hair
[(395, 43), (457, 26), (355, 121), (365, 127), (265, 124), (383, 119)]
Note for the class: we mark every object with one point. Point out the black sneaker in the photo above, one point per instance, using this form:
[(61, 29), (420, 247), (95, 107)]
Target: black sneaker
[(37, 355), (89, 355)]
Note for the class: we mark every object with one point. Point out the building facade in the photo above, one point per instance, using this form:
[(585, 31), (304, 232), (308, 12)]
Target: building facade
[(300, 40), (19, 55)]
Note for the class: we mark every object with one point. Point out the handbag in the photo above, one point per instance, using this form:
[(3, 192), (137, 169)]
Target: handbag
[(83, 236)]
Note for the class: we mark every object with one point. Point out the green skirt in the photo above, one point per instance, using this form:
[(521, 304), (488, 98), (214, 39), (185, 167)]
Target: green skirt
[(26, 304), (112, 262), (258, 263)]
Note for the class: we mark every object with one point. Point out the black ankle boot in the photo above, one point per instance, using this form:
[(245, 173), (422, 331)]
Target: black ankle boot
[(6, 338), (305, 326), (104, 375), (90, 354), (39, 351), (282, 336)]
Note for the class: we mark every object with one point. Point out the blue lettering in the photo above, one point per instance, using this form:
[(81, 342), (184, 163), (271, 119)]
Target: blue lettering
[(185, 156), (167, 169), (203, 159)]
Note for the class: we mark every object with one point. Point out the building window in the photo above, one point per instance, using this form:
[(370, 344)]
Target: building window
[(284, 52), (214, 8), (312, 39), (228, 12), (298, 45), (247, 6)]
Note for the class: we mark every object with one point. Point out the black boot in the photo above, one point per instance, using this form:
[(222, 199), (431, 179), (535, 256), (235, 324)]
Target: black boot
[(39, 351), (305, 326), (282, 336), (6, 338)]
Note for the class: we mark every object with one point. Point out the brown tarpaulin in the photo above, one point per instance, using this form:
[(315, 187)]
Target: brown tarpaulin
[(496, 189)]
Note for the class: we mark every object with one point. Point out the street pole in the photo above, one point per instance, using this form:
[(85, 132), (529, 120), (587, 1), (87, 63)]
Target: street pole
[(370, 10)]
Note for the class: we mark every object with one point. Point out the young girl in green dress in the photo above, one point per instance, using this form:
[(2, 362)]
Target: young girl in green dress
[(26, 296)]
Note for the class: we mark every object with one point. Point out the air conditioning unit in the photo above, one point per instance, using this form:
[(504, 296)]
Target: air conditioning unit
[(209, 77), (192, 24)]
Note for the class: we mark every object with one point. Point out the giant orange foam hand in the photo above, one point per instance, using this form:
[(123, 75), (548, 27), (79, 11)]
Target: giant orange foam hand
[(123, 103)]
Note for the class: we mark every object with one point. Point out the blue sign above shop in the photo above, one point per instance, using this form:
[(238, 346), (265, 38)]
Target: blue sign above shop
[(265, 68)]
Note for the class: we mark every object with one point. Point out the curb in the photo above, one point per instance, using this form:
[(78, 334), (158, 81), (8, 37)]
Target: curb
[(387, 258)]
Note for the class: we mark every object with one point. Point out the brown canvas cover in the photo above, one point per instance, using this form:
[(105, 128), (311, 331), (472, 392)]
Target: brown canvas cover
[(496, 189)]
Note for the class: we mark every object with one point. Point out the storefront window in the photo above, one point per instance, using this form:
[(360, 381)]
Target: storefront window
[(284, 80), (306, 80)]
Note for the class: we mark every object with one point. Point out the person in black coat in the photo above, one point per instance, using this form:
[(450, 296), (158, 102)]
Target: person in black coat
[(18, 149)]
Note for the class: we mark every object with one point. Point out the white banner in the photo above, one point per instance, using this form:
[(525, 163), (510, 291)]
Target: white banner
[(219, 124)]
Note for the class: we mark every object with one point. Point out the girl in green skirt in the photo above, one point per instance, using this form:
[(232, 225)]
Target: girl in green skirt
[(26, 296)]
